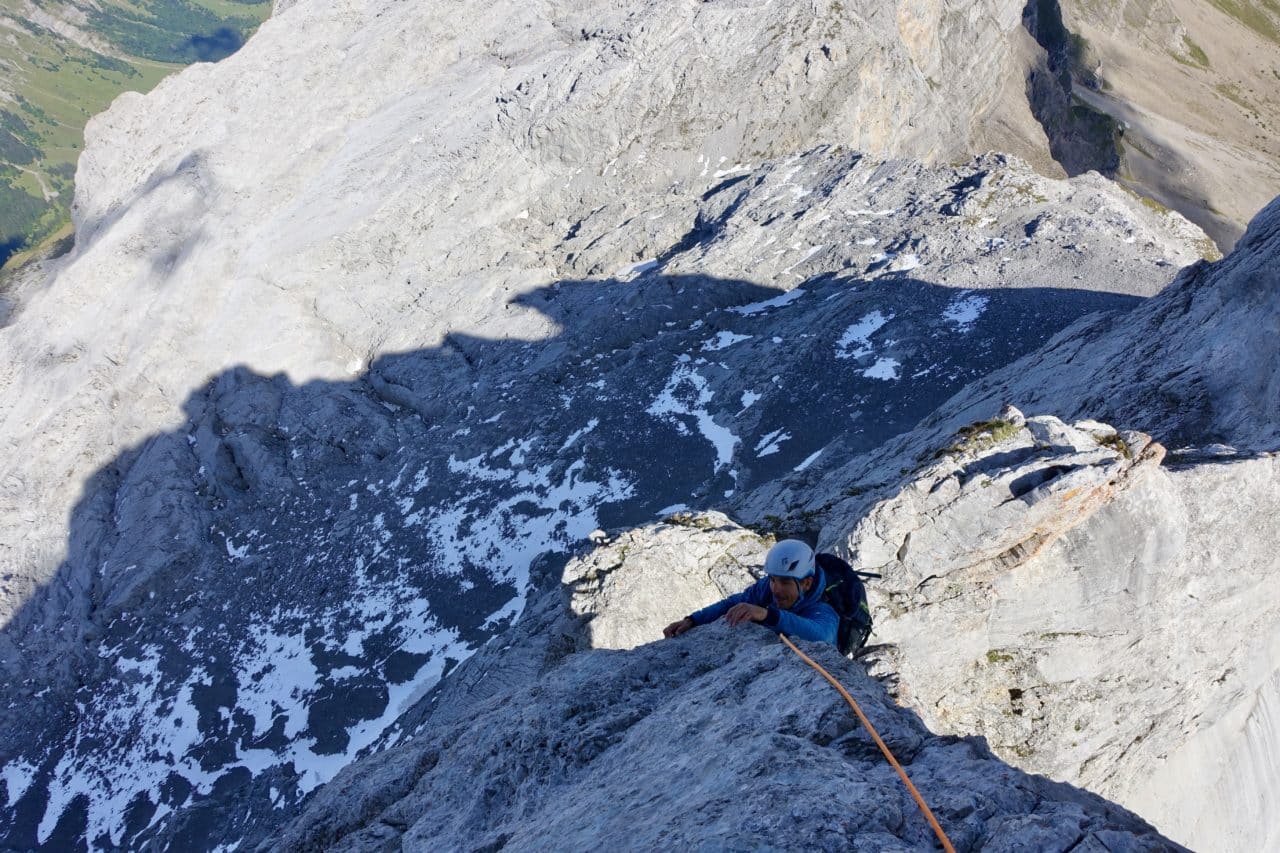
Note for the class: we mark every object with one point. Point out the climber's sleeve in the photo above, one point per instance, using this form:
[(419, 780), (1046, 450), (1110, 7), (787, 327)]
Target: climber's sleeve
[(750, 595), (818, 622)]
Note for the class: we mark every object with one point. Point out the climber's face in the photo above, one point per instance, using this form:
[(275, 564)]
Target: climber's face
[(787, 591)]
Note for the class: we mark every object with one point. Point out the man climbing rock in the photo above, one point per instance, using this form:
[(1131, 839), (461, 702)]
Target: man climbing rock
[(788, 599)]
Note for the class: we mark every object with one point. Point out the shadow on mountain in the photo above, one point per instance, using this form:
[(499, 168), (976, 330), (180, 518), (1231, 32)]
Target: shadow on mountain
[(10, 247), (213, 46), (180, 182), (251, 600), (1081, 138), (723, 726)]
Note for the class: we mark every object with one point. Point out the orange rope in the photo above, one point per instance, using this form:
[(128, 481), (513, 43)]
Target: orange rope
[(933, 821)]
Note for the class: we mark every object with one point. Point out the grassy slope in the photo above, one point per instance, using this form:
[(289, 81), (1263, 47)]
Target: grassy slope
[(50, 86), (1258, 15)]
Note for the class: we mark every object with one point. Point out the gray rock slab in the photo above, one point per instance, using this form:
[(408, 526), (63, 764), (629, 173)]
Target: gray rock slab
[(720, 739), (367, 328), (1098, 616), (255, 596)]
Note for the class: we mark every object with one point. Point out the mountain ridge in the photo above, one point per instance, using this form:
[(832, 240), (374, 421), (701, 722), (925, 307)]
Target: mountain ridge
[(360, 341)]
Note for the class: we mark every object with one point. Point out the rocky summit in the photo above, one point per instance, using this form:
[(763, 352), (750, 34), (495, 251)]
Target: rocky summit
[(410, 371)]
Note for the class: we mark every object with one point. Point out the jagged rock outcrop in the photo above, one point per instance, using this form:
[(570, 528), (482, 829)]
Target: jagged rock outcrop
[(721, 738), (367, 329), (1100, 618), (619, 595), (376, 533)]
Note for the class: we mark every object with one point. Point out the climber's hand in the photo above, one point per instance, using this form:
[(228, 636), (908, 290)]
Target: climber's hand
[(675, 629), (744, 612)]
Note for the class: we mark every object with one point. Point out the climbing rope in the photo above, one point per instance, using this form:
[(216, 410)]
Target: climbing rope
[(933, 821)]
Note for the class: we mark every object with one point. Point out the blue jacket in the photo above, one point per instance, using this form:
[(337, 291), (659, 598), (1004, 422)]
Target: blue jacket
[(810, 618)]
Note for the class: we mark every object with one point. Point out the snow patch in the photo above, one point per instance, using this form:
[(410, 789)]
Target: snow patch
[(687, 393), (813, 250), (637, 268), (723, 340), (776, 302), (856, 340), (965, 310), (808, 460), (769, 444), (18, 776), (577, 434), (152, 738), (884, 368), (274, 678), (482, 532), (522, 448)]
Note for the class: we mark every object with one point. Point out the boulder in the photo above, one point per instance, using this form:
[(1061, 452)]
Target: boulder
[(1100, 617)]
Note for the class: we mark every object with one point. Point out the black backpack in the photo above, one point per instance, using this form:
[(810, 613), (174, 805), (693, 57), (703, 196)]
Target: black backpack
[(848, 597)]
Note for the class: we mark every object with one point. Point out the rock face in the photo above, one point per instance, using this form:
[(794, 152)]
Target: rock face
[(1069, 571), (721, 737), (374, 534), (1053, 587), (1080, 138), (370, 327), (401, 201), (418, 176), (619, 593), (1098, 617)]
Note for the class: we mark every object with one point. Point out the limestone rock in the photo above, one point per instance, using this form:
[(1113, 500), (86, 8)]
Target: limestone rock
[(1011, 415), (997, 497), (721, 737), (645, 579), (382, 533), (1098, 617), (369, 327)]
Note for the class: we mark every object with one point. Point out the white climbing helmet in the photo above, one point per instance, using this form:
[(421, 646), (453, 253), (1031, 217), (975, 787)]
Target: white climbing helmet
[(790, 558)]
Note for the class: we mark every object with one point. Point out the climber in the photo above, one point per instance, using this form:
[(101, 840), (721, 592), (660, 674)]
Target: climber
[(788, 599)]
